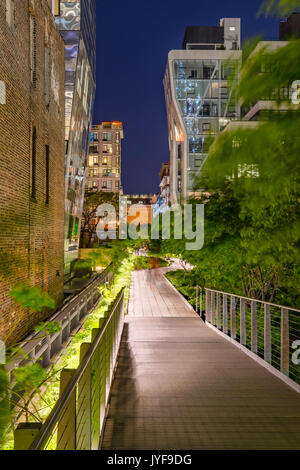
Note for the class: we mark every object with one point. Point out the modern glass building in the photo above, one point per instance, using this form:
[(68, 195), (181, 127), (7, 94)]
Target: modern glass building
[(77, 24), (199, 98)]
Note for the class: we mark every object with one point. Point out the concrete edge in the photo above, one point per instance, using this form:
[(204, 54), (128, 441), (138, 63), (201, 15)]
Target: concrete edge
[(180, 294), (258, 359)]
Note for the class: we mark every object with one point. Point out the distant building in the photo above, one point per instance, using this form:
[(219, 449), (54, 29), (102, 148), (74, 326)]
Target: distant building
[(165, 183), (105, 151), (77, 24), (290, 28), (199, 100), (32, 162), (163, 199), (146, 201)]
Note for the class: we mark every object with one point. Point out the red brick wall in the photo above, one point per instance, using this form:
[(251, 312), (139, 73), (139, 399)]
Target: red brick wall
[(31, 232)]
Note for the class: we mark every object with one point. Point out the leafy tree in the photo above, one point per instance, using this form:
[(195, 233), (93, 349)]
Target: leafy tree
[(89, 218), (279, 7), (260, 165)]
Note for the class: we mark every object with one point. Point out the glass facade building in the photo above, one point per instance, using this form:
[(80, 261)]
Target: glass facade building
[(200, 103), (206, 106), (77, 24)]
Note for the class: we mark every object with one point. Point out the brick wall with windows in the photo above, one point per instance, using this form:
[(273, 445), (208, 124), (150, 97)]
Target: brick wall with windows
[(31, 159)]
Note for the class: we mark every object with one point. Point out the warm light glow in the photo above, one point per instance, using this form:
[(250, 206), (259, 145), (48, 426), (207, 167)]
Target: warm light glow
[(178, 135)]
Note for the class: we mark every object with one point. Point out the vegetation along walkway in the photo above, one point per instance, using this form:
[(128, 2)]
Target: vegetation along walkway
[(180, 385)]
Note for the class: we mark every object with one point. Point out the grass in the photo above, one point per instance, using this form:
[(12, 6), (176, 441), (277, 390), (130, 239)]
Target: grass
[(149, 262)]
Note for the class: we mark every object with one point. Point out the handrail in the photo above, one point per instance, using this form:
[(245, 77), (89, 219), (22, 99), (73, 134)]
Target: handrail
[(53, 418), (251, 300)]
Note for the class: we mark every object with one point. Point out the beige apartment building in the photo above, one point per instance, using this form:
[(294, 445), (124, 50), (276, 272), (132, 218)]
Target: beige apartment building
[(104, 169)]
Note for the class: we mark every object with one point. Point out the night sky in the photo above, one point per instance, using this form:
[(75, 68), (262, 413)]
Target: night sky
[(133, 41)]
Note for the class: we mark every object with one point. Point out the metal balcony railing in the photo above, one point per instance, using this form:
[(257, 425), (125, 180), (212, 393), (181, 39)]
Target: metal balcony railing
[(77, 420), (268, 330)]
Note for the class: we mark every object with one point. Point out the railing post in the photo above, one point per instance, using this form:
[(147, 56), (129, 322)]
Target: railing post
[(232, 317), (66, 429), (225, 314), (96, 395), (212, 309), (201, 300), (242, 322), (83, 431), (285, 342), (267, 334), (196, 298), (25, 434), (219, 320), (207, 307), (254, 327)]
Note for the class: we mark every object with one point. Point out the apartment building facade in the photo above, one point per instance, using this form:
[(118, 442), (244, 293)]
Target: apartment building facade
[(199, 98), (105, 157), (31, 159)]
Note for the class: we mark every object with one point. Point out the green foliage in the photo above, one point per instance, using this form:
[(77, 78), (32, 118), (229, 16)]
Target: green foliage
[(252, 178), (149, 262), (267, 70), (4, 404), (31, 298), (30, 376), (82, 268), (48, 328), (279, 7)]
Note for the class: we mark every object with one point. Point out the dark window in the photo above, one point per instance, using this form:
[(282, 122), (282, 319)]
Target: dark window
[(33, 163), (47, 156), (47, 76), (179, 152), (33, 50)]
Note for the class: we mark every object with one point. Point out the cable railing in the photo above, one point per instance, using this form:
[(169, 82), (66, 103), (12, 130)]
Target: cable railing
[(77, 419), (270, 331)]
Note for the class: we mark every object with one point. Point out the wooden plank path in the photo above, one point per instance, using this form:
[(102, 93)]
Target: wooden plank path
[(180, 386)]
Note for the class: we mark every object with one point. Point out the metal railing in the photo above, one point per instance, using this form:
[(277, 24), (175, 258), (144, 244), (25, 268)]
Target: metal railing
[(70, 316), (268, 330), (77, 420)]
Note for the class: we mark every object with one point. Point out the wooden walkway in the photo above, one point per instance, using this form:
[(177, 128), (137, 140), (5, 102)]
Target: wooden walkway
[(180, 386)]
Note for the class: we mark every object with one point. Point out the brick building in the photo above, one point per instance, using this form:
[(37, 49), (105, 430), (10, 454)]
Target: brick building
[(31, 158), (104, 172)]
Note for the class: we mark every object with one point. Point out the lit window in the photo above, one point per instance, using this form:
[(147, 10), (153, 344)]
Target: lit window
[(232, 28), (57, 7), (2, 92)]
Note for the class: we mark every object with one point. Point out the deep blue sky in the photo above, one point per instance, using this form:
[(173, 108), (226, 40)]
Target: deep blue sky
[(133, 41)]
